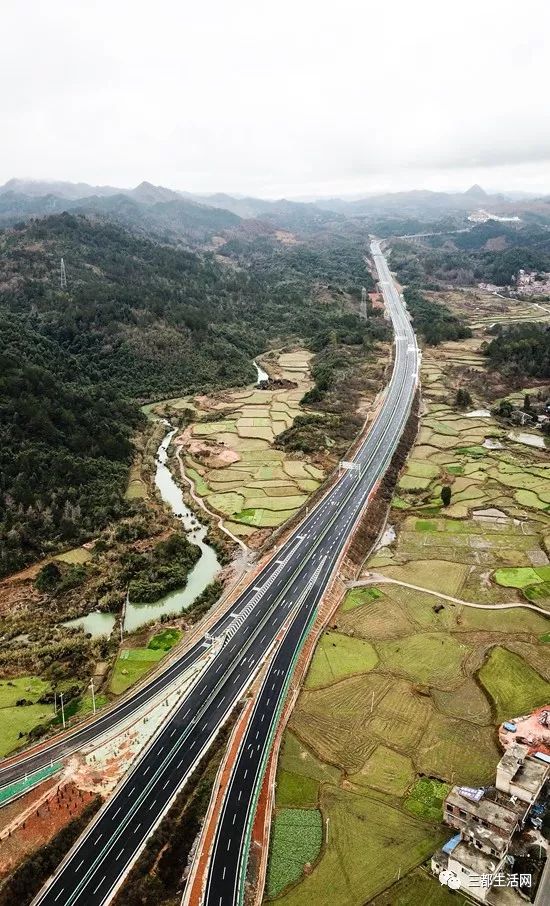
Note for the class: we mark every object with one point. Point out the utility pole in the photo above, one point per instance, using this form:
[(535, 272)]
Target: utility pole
[(62, 710), (93, 694), (62, 275)]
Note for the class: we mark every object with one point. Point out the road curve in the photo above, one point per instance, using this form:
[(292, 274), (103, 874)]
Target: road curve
[(291, 583)]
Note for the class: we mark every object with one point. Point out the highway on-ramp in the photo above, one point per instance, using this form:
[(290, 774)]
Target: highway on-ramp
[(285, 592)]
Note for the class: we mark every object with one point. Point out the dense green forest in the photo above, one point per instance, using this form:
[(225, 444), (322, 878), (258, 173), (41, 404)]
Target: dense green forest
[(433, 320), (521, 350), (138, 321), (64, 447), (152, 575), (490, 252)]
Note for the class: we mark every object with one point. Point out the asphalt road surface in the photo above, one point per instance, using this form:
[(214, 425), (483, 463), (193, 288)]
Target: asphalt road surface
[(227, 869), (286, 592)]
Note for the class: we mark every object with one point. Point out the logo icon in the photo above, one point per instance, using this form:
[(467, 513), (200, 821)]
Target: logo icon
[(449, 878)]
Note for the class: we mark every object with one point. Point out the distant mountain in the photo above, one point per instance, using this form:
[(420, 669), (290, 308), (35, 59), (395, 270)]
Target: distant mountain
[(147, 193), (476, 192), (23, 198), (15, 206), (255, 207), (38, 187), (420, 203), (174, 219)]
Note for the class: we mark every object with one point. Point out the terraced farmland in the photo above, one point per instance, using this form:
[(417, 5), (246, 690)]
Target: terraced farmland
[(385, 729), (228, 451)]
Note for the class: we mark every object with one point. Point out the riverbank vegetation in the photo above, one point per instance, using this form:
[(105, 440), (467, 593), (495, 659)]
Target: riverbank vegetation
[(153, 574)]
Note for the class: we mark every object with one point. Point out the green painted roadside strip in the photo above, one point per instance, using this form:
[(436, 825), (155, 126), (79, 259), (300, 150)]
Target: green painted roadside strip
[(267, 752), (20, 787)]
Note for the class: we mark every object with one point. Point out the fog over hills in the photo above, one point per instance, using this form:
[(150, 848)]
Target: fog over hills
[(170, 212)]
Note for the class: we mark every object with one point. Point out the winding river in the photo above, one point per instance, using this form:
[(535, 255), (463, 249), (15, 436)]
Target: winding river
[(203, 572), (262, 375)]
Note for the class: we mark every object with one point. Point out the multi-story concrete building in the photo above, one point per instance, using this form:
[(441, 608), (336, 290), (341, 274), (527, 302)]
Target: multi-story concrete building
[(487, 821)]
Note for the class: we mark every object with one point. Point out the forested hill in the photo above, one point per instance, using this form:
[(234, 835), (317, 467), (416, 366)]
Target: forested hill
[(491, 252), (138, 320), (521, 350)]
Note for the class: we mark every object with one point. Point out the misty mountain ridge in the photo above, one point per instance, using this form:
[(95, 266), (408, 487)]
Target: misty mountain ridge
[(35, 188), (141, 206), (476, 191)]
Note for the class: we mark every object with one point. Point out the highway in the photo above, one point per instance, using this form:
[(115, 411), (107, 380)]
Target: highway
[(285, 592), (227, 868)]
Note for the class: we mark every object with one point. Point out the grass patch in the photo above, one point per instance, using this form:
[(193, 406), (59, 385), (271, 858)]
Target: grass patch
[(229, 503), (387, 771), (438, 575), (17, 722), (165, 640), (513, 685), (369, 842), (30, 688), (530, 499), (296, 790), (338, 656), (201, 488), (76, 555), (517, 577), (537, 593), (335, 721), (131, 664), (297, 758), (359, 596), (421, 468), (419, 887), (426, 799), (413, 483), (381, 619), (296, 840), (457, 751), (428, 658)]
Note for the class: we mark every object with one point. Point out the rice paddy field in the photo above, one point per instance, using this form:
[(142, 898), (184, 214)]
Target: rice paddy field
[(230, 456), (381, 732), (481, 309)]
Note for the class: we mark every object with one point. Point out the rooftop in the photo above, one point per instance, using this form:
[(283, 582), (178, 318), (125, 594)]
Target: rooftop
[(497, 840), (494, 808), (526, 772), (479, 863)]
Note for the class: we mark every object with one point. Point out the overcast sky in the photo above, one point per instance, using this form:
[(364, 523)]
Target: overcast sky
[(287, 97)]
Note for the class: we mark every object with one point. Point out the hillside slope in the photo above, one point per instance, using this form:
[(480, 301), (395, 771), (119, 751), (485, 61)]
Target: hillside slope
[(138, 321)]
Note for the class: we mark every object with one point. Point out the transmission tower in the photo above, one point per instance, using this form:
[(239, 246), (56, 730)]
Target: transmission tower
[(62, 275), (363, 307)]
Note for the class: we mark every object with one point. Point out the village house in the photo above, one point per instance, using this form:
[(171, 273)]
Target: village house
[(478, 857)]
